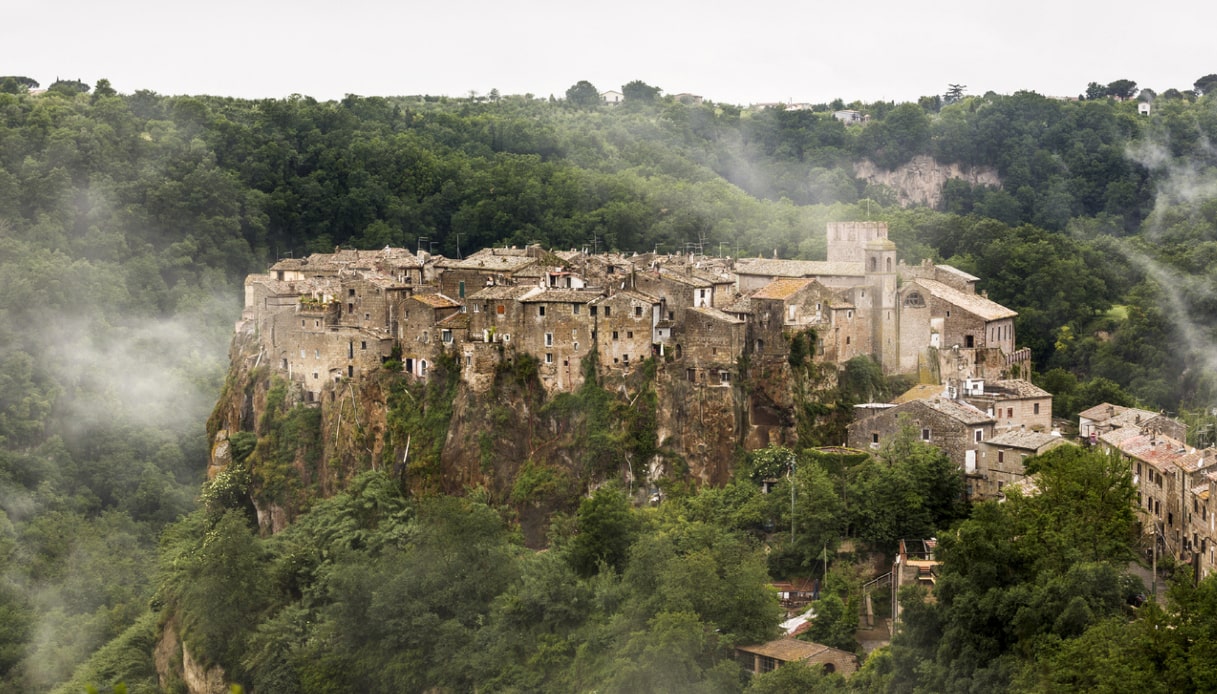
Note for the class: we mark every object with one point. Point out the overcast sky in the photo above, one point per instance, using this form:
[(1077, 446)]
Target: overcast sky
[(737, 52)]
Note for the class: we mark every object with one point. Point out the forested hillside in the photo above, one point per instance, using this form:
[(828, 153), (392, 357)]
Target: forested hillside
[(128, 220)]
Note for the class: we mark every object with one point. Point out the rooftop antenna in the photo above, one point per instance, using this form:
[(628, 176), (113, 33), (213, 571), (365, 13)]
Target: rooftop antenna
[(458, 247), (420, 244)]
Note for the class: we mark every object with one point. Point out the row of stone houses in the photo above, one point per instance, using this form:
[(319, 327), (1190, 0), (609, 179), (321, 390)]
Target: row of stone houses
[(1176, 484), (987, 428), (339, 315)]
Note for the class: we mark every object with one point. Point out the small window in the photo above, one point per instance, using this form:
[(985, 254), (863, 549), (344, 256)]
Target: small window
[(1001, 456), (316, 354), (500, 309), (980, 433), (1035, 409), (629, 334), (446, 336), (925, 434), (541, 310), (608, 311), (874, 437), (468, 360), (574, 309), (549, 357), (614, 334), (594, 309), (638, 312), (363, 344), (549, 339), (1009, 413), (351, 292)]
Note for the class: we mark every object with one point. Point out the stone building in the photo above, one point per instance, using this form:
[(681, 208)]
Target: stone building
[(767, 657), (1001, 459), (954, 426), (1015, 404)]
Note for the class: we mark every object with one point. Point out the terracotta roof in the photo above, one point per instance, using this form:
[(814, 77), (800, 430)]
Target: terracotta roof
[(1162, 452), (921, 391), (781, 289), (972, 303), (436, 300)]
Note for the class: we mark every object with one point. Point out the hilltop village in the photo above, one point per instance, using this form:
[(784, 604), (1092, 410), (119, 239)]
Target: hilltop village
[(333, 316)]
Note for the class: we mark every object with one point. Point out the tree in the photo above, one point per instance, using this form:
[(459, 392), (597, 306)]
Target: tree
[(1122, 89), (955, 92), (583, 94), (1094, 90), (606, 530), (1205, 84), (640, 92)]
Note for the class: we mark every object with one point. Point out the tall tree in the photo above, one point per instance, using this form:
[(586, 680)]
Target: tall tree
[(583, 94)]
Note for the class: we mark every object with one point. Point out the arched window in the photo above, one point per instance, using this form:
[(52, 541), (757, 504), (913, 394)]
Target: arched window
[(914, 300)]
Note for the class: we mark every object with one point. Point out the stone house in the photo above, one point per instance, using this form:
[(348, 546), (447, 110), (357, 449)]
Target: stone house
[(1105, 417), (954, 426), (496, 312), (420, 336), (486, 268), (1015, 404), (766, 657), (784, 307), (708, 344), (556, 327), (1001, 459), (624, 328)]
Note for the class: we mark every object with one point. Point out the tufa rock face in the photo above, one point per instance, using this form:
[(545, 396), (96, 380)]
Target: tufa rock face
[(920, 182), (514, 442)]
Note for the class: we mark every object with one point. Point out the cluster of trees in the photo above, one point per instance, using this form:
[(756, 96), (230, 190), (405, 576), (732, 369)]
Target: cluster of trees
[(375, 591)]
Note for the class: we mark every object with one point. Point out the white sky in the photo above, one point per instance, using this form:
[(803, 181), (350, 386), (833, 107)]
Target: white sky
[(737, 52)]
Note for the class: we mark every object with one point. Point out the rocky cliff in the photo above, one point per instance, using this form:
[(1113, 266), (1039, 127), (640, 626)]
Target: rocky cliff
[(535, 453), (920, 182)]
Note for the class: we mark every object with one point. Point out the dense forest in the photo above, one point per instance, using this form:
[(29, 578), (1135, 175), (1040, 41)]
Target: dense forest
[(128, 221)]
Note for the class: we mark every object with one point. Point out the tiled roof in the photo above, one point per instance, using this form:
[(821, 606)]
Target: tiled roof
[(1018, 388), (1100, 412), (797, 268), (972, 303), (716, 314), (788, 650), (957, 410), (1162, 452), (560, 296), (1024, 438), (502, 291), (675, 276), (921, 391), (781, 289), (486, 262), (436, 300)]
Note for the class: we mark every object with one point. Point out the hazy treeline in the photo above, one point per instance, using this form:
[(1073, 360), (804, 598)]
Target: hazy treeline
[(128, 220)]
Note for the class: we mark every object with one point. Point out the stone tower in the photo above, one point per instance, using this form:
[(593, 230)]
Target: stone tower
[(879, 261), (847, 240)]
